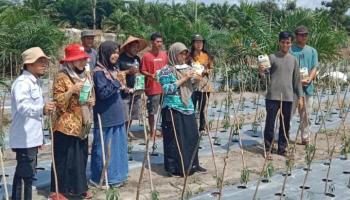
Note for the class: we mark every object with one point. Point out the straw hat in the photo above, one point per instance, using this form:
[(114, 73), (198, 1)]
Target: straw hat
[(74, 52), (143, 43), (31, 55)]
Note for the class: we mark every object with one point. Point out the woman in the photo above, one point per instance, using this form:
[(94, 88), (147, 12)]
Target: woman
[(109, 111), (201, 94), (72, 124), (180, 133)]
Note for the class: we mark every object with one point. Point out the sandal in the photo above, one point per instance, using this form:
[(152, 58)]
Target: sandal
[(87, 195), (268, 156), (57, 196)]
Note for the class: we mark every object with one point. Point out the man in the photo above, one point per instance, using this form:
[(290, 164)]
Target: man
[(284, 82), (87, 41), (307, 58), (153, 61), (27, 109), (129, 62)]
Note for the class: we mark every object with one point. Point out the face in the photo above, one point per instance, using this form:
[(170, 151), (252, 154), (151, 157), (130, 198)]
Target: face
[(181, 57), (301, 38), (80, 64), (133, 48), (285, 44), (198, 45), (157, 43), (88, 41), (39, 67), (114, 57)]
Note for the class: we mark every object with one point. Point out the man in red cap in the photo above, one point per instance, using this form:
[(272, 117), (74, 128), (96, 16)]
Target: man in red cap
[(27, 110)]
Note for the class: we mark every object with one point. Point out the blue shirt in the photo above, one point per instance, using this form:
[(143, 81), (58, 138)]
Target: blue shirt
[(307, 57), (108, 101), (27, 105)]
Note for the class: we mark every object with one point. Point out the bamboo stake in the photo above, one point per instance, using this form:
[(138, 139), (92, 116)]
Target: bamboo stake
[(3, 175), (103, 151), (53, 156)]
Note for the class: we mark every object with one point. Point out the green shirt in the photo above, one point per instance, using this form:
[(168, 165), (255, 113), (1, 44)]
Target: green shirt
[(307, 57), (172, 99)]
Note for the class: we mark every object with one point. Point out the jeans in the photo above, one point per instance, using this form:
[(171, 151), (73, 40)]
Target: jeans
[(272, 108), (25, 171)]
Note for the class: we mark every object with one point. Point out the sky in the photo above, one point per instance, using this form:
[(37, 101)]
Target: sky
[(300, 3)]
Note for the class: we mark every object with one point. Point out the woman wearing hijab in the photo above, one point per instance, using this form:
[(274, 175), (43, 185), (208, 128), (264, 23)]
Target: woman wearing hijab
[(180, 133), (72, 124), (200, 97), (109, 108)]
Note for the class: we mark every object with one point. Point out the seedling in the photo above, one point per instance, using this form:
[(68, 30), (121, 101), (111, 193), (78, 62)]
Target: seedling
[(244, 179), (269, 171), (112, 194), (217, 141), (155, 195), (345, 148)]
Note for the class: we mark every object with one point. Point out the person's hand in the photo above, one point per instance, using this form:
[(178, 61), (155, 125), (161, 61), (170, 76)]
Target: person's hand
[(261, 69), (153, 76), (49, 107), (305, 82), (77, 88), (91, 102), (121, 77), (133, 70), (301, 103)]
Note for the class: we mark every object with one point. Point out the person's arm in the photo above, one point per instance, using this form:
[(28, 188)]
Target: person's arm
[(169, 82), (62, 94), (24, 100), (297, 86), (104, 88), (314, 65), (144, 68)]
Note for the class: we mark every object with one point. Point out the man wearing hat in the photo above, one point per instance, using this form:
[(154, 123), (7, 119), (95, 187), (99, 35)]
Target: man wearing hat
[(129, 62), (87, 41), (307, 58), (27, 110)]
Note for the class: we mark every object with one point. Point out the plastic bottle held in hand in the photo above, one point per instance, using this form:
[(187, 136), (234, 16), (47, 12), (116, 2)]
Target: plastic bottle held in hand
[(136, 63), (85, 93)]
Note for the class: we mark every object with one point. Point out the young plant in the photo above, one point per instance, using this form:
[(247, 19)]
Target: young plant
[(215, 102), (309, 152), (269, 171), (154, 195), (112, 194), (345, 147), (245, 173)]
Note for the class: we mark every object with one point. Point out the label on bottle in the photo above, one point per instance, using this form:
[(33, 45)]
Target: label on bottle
[(85, 92)]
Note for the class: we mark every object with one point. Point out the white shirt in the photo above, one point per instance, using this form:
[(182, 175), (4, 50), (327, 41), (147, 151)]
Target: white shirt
[(27, 105)]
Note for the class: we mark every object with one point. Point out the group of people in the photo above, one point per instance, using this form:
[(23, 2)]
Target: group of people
[(99, 89)]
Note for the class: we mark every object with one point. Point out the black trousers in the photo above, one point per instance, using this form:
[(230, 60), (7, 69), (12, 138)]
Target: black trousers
[(272, 108), (25, 171), (201, 99)]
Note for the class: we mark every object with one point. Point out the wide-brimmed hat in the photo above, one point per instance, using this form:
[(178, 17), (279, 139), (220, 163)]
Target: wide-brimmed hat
[(31, 55), (74, 52), (143, 43)]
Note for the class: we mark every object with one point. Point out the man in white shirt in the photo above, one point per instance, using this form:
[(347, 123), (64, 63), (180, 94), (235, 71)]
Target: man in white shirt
[(27, 109)]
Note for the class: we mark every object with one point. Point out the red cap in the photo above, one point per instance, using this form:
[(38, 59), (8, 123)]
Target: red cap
[(74, 52)]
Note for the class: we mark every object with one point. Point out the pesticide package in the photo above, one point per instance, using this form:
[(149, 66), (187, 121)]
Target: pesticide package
[(264, 61), (85, 92), (139, 82)]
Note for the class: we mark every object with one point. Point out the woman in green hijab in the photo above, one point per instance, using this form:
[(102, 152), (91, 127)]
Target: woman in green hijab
[(178, 117)]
